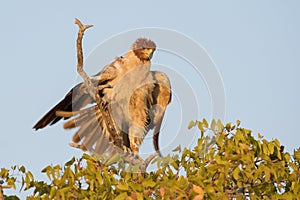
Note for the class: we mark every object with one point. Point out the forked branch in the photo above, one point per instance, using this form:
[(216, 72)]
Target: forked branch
[(91, 88), (85, 77)]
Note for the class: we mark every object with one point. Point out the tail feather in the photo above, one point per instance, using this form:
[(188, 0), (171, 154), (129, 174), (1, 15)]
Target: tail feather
[(91, 139), (82, 119), (84, 130), (92, 134)]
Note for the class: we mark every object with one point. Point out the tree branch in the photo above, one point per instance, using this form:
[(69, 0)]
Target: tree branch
[(87, 81), (92, 89)]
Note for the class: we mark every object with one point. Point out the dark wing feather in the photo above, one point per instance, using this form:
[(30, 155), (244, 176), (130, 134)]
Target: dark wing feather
[(77, 98)]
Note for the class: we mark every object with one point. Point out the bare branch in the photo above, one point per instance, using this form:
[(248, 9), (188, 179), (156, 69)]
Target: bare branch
[(94, 90), (85, 77)]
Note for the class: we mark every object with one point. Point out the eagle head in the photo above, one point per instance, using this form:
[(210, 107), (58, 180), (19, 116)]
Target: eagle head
[(143, 48)]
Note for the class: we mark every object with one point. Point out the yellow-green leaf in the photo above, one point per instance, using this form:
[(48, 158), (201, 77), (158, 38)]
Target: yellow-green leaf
[(123, 187), (235, 173), (213, 125), (191, 124), (205, 123), (149, 183), (228, 126), (121, 196), (116, 157), (220, 126), (178, 148), (200, 126)]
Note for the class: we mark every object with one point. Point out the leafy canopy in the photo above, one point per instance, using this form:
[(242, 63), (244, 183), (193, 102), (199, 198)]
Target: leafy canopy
[(230, 164)]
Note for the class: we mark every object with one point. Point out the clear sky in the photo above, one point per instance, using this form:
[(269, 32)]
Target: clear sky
[(255, 46)]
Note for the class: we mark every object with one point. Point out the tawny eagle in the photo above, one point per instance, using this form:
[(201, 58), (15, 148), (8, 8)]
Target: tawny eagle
[(136, 100)]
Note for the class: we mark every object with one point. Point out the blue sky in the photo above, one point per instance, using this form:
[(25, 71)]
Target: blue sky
[(255, 46)]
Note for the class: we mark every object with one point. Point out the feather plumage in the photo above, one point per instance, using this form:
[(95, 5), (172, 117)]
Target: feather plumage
[(136, 100)]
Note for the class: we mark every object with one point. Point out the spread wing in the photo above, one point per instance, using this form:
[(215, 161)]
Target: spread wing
[(77, 98), (92, 133)]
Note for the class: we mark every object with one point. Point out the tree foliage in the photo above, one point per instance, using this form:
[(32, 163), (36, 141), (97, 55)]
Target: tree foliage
[(230, 164)]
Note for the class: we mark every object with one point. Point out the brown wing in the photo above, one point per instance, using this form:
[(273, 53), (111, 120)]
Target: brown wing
[(161, 98), (73, 101), (77, 97)]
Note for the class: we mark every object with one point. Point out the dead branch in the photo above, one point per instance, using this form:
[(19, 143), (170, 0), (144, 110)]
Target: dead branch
[(80, 70), (92, 89)]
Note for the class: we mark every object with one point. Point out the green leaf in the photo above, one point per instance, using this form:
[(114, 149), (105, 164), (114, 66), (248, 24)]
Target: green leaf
[(3, 173), (175, 165), (220, 126), (228, 126), (139, 196), (200, 127), (115, 158), (235, 173), (181, 182), (297, 155), (11, 197), (213, 125), (238, 122), (149, 183), (271, 148), (53, 192), (30, 176), (123, 187), (265, 149), (220, 161), (277, 143), (70, 162), (191, 124), (205, 123), (11, 182), (46, 169), (99, 178), (22, 169), (234, 157), (136, 187), (90, 158), (121, 196), (287, 157), (178, 148)]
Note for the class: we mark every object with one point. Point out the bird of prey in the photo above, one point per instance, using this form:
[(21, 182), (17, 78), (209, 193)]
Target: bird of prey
[(136, 99)]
